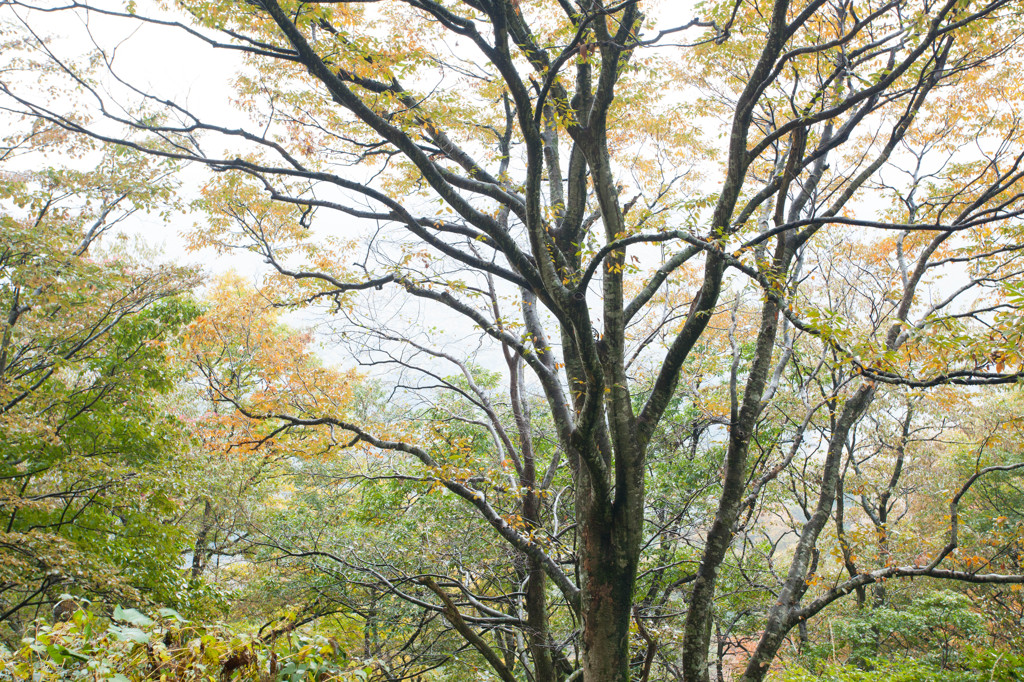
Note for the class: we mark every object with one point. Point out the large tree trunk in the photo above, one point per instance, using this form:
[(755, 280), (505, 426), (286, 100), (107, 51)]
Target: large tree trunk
[(608, 562)]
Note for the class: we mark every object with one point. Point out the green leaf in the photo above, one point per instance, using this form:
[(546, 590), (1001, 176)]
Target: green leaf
[(130, 634), (56, 654), (170, 613), (132, 616)]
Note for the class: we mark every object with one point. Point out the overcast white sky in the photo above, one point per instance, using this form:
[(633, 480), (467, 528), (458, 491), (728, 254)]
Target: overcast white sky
[(181, 68)]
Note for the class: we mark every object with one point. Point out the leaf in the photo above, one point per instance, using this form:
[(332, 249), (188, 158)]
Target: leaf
[(129, 634), (55, 653), (165, 612), (132, 616)]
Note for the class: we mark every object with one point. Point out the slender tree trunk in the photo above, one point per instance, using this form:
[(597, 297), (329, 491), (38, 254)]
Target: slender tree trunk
[(536, 604), (541, 650), (780, 619), (201, 551), (697, 632)]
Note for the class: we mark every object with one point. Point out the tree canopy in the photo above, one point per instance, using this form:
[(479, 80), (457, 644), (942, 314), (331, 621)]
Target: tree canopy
[(640, 341)]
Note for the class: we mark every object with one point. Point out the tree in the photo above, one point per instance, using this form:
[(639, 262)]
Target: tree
[(511, 164), (85, 429), (239, 347)]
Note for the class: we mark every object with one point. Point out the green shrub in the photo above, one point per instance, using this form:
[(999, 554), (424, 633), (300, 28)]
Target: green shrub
[(133, 646)]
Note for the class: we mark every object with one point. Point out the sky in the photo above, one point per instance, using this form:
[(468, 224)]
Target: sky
[(175, 66), (184, 69), (155, 60)]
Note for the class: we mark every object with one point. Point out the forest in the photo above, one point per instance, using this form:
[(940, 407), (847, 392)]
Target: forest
[(512, 340)]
